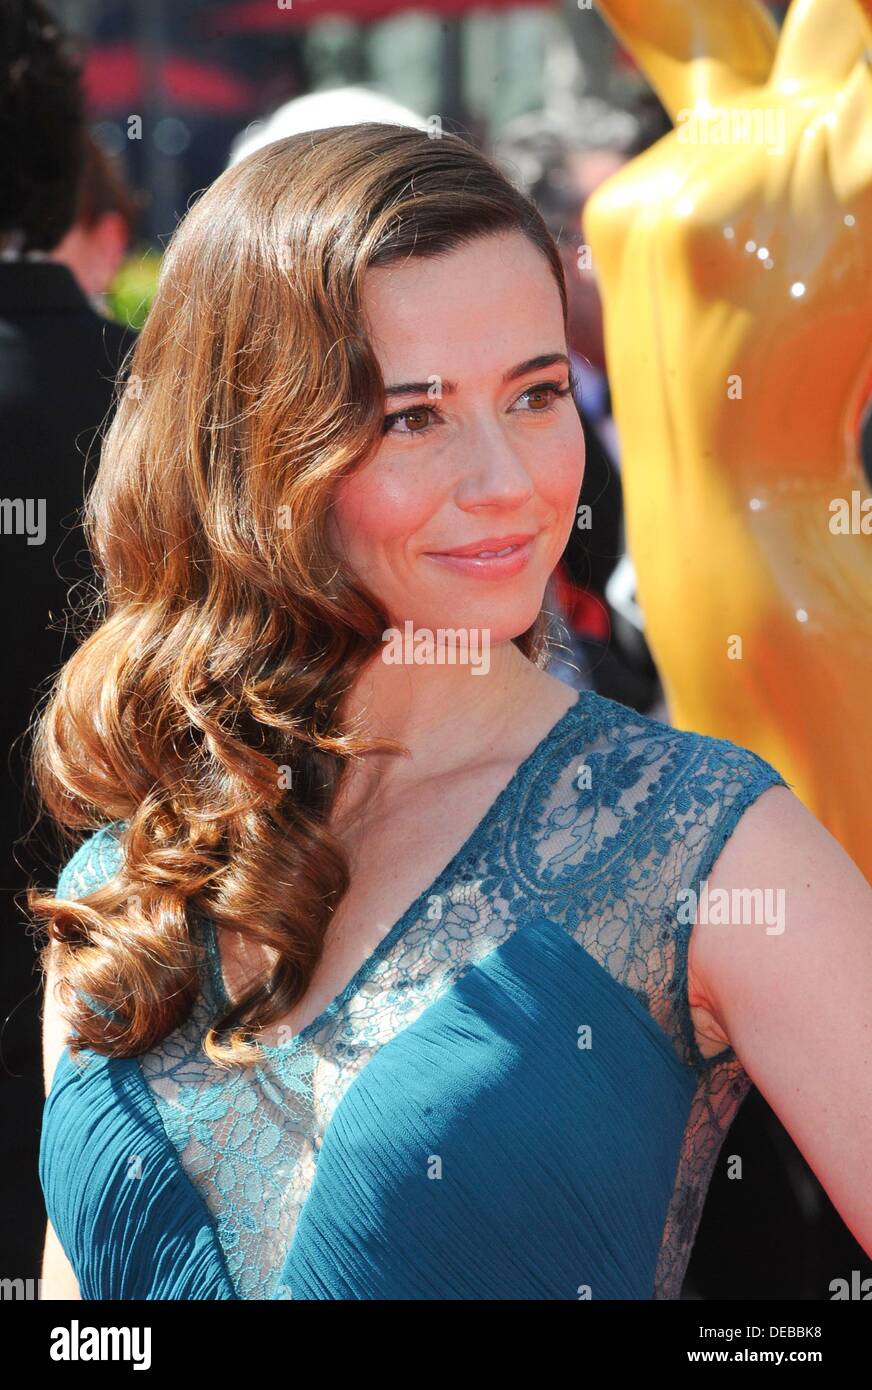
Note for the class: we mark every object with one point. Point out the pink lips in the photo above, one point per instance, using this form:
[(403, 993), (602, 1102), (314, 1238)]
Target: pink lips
[(490, 543), (467, 558)]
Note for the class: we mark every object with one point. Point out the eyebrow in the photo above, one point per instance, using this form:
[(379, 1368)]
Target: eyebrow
[(449, 388)]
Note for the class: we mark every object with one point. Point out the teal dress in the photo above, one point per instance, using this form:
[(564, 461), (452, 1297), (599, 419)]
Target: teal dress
[(507, 1101)]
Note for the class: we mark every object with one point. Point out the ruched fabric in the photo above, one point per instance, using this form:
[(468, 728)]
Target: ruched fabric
[(483, 1150), (133, 1225)]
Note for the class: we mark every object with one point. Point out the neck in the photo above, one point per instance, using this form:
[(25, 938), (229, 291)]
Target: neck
[(445, 715)]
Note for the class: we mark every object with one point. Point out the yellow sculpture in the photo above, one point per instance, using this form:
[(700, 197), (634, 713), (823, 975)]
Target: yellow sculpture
[(735, 262)]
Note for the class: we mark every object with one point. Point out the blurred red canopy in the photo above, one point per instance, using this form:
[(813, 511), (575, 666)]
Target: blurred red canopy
[(248, 15), (115, 78), (114, 72)]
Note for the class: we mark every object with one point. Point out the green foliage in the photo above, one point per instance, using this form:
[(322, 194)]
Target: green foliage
[(134, 286)]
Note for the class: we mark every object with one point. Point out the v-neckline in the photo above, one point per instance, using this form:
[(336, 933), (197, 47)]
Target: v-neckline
[(583, 700)]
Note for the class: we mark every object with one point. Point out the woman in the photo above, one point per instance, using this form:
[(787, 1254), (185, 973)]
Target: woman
[(458, 984)]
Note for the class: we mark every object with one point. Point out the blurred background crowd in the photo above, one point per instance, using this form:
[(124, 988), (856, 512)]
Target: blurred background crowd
[(113, 115)]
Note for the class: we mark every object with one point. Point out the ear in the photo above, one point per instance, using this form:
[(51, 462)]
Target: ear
[(694, 50)]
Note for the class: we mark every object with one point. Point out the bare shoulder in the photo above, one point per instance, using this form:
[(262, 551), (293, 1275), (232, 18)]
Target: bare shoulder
[(783, 898)]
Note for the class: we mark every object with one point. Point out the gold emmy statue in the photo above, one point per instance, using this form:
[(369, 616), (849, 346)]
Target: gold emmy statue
[(734, 258)]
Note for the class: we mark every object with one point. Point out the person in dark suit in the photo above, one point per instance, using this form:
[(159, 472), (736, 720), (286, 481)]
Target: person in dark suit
[(58, 362)]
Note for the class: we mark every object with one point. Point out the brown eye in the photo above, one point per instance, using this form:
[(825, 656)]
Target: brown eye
[(547, 393), (418, 420)]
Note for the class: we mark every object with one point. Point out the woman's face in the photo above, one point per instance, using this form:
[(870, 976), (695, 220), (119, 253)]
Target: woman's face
[(480, 450)]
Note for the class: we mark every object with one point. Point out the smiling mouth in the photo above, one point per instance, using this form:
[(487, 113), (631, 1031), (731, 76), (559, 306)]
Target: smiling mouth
[(486, 551), (482, 554), (488, 562)]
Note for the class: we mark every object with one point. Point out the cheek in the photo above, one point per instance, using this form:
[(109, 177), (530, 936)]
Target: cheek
[(559, 475), (378, 509)]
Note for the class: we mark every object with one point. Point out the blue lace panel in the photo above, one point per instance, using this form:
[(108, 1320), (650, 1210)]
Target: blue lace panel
[(599, 830)]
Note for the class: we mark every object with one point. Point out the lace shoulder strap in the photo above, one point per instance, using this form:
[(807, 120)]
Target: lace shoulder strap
[(614, 838), (95, 861)]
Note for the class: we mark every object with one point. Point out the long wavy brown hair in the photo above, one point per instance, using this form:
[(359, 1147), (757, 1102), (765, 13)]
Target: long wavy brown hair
[(202, 706)]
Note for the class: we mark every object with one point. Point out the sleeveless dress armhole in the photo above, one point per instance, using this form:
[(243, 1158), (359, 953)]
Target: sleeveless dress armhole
[(727, 782), (724, 781)]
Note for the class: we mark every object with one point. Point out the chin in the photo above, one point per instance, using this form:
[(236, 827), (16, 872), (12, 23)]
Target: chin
[(503, 617)]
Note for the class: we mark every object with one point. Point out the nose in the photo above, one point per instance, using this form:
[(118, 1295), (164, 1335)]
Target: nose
[(495, 476)]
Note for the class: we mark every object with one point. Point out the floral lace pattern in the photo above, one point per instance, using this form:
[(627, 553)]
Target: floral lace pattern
[(599, 831)]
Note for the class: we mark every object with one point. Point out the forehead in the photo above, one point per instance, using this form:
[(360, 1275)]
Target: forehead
[(495, 296)]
